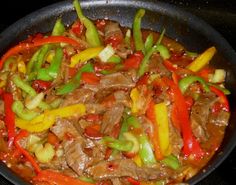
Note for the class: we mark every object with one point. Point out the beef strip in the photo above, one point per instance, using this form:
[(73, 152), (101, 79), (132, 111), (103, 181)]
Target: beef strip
[(116, 80), (76, 158), (81, 95), (64, 126), (112, 29), (156, 65), (111, 118), (11, 87), (200, 115), (220, 119), (125, 168)]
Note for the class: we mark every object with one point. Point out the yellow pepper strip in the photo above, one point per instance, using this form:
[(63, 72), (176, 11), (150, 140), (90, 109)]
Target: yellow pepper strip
[(47, 119), (137, 160), (161, 116), (3, 83), (202, 60), (21, 65), (85, 55), (134, 95)]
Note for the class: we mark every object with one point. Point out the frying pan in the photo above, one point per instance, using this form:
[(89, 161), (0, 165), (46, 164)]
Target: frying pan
[(187, 29)]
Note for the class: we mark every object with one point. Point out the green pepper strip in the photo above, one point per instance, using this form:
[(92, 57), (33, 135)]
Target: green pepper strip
[(127, 38), (39, 57), (7, 65), (75, 82), (148, 43), (51, 72), (24, 86), (29, 90), (184, 83), (138, 41), (117, 144), (145, 151), (24, 114), (161, 37), (30, 64), (58, 28), (91, 34), (114, 59), (171, 161), (163, 52)]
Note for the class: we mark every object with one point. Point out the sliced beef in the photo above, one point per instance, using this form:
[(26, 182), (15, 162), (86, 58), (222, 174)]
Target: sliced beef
[(76, 158), (81, 153), (175, 140), (63, 127), (156, 65), (112, 29), (200, 115), (122, 97), (81, 95), (95, 108), (125, 168), (116, 80), (220, 119), (111, 118)]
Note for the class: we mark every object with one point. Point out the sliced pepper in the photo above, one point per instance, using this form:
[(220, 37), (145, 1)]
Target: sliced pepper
[(138, 40), (23, 113), (202, 60), (134, 95), (45, 120), (35, 43), (75, 81), (85, 55), (25, 153), (133, 61), (53, 177), (51, 72), (120, 145), (191, 145), (161, 118), (171, 161), (91, 33), (9, 117), (223, 98), (148, 43), (184, 83)]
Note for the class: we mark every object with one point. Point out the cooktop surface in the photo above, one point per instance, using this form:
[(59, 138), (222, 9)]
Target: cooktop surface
[(220, 14)]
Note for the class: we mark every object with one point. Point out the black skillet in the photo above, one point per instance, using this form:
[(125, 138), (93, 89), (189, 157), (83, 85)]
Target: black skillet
[(192, 32)]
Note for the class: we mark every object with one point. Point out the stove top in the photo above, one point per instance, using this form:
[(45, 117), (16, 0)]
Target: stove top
[(219, 14)]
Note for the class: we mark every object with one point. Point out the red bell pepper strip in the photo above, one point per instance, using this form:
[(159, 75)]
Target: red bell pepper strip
[(35, 43), (133, 181), (40, 85), (9, 117), (170, 66), (52, 177), (77, 28), (22, 134), (90, 78), (191, 145), (223, 98), (133, 61), (93, 131)]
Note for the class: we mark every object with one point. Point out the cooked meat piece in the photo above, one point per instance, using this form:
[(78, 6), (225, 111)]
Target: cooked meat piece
[(200, 115), (112, 29), (123, 50), (125, 168), (175, 140), (64, 126), (156, 65), (81, 95), (116, 181), (82, 153), (122, 97), (111, 117), (220, 119), (76, 158), (95, 108), (116, 80)]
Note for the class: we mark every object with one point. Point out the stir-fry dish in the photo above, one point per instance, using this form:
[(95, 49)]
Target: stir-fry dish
[(96, 103)]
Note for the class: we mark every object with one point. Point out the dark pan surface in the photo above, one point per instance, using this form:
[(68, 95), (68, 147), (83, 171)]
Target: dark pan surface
[(187, 29)]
